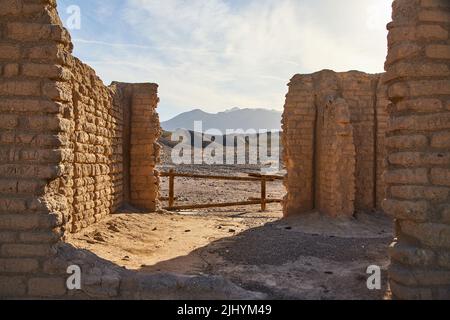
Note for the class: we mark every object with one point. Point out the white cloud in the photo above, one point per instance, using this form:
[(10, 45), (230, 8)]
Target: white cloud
[(218, 54)]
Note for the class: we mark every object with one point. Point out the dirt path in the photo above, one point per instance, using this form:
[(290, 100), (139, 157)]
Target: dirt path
[(306, 257), (309, 257)]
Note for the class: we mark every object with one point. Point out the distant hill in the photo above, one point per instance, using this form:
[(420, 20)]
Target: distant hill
[(258, 119)]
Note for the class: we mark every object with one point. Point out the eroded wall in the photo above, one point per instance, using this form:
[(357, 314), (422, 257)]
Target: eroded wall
[(94, 181), (418, 141), (141, 150), (62, 159), (335, 159), (333, 129)]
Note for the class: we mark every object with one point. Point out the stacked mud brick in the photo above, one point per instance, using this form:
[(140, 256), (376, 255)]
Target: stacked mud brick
[(418, 141), (336, 158), (141, 154), (333, 129), (62, 159)]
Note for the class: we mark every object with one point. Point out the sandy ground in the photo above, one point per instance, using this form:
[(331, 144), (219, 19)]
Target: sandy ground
[(307, 257), (304, 257)]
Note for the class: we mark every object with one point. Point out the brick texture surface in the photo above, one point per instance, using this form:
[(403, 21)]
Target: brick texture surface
[(334, 137), (62, 159), (418, 176)]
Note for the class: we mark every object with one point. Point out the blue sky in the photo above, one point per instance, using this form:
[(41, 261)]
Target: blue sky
[(220, 54)]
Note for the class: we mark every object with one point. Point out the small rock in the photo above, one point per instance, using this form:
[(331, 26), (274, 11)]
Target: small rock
[(99, 237), (113, 228)]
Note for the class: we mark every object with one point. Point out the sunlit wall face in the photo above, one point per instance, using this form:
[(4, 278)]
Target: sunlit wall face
[(219, 54)]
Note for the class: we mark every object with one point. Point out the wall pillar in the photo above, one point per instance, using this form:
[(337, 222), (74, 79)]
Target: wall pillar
[(299, 120), (144, 149), (418, 144)]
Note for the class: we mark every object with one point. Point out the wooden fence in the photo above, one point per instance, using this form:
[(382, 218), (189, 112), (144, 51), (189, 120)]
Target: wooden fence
[(262, 179)]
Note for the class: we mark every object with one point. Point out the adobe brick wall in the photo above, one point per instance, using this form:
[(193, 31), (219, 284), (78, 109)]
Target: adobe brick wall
[(140, 149), (381, 124), (298, 125), (93, 184), (334, 126), (62, 160), (418, 141), (335, 154)]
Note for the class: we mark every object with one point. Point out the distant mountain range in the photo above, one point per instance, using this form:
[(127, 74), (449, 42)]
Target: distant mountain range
[(236, 118)]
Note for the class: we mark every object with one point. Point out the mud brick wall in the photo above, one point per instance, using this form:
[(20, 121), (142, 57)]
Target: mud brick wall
[(62, 159), (142, 149), (418, 140), (298, 125), (316, 174), (95, 180), (335, 154), (381, 124), (35, 125)]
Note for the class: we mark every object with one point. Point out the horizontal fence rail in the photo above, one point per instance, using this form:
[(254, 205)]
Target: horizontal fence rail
[(263, 179), (251, 177)]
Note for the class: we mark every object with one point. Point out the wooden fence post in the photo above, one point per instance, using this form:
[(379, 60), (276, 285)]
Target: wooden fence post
[(263, 200), (171, 188), (263, 194)]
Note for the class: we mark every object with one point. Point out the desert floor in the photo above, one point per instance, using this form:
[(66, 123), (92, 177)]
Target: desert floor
[(304, 257)]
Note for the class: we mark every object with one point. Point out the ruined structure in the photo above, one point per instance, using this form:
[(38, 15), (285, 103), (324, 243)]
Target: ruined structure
[(341, 154), (71, 149), (334, 126), (418, 141), (141, 131)]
